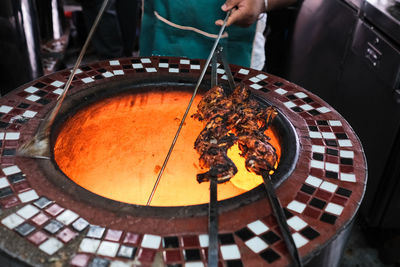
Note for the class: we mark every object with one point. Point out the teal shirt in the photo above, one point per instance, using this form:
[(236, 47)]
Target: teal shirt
[(159, 38)]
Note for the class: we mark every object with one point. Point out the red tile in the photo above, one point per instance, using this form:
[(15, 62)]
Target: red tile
[(9, 202), (346, 168), (311, 122), (40, 219), (339, 200), (338, 129), (66, 235), (281, 248), (269, 220), (21, 187), (113, 235), (172, 256), (302, 197), (311, 212), (146, 255), (10, 143), (54, 210), (324, 128), (8, 160), (323, 194), (132, 238), (190, 241), (317, 141), (80, 260), (38, 237), (317, 172), (23, 94), (331, 159)]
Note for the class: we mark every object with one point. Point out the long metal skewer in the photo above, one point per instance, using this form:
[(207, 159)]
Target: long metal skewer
[(37, 145), (188, 108)]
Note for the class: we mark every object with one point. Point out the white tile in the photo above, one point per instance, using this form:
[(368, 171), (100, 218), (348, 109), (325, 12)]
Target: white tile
[(77, 71), (89, 245), (335, 123), (151, 69), (2, 136), (254, 79), (323, 109), (151, 241), (224, 77), (230, 252), (12, 221), (317, 164), (51, 246), (32, 98), (334, 208), (114, 62), (137, 66), (67, 217), (57, 83), (163, 65), (145, 60), (296, 206), (299, 240), (258, 227), (11, 170), (5, 109), (12, 136), (31, 89), (315, 135), (262, 76), (318, 149), (28, 211), (87, 80), (28, 196), (220, 71), (296, 223), (107, 74), (345, 143), (118, 72), (281, 91), (58, 91), (244, 71), (306, 107), (194, 264), (256, 244), (328, 135), (173, 70), (346, 154), (332, 167), (348, 177), (256, 86), (4, 183), (330, 187), (194, 67), (203, 239), (289, 104), (301, 95), (29, 114), (108, 249), (120, 264), (184, 61), (314, 181), (96, 231)]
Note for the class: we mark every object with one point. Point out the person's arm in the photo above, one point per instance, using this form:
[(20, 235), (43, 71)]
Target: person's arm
[(247, 11)]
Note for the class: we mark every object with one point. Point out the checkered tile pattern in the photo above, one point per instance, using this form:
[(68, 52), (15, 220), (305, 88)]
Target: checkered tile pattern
[(45, 224)]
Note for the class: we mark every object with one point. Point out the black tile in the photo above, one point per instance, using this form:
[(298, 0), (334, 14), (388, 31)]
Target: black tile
[(318, 156), (332, 152), (237, 79), (174, 265), (164, 60), (192, 254), (245, 234), (346, 161), (15, 178), (25, 229), (122, 253), (288, 214), (321, 122), (234, 263), (184, 70), (102, 70), (291, 97), (330, 142), (39, 85), (297, 109), (170, 242), (53, 226), (99, 262), (9, 152), (343, 191), (98, 77), (86, 68), (265, 90), (174, 66), (136, 60), (4, 192), (127, 67), (309, 233), (308, 100), (262, 83), (341, 136), (226, 239), (328, 218), (42, 202), (318, 203), (332, 175), (314, 112), (269, 255), (43, 101), (195, 62), (278, 83), (40, 93), (23, 105), (3, 124), (307, 189), (313, 128), (270, 237)]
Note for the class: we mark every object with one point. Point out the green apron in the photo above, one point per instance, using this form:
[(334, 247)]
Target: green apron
[(162, 39)]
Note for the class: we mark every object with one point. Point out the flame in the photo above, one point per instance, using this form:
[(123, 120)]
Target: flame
[(116, 146)]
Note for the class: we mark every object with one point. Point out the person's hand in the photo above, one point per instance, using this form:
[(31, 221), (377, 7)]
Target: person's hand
[(245, 13)]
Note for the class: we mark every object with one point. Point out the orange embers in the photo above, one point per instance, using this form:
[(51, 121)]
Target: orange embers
[(115, 148)]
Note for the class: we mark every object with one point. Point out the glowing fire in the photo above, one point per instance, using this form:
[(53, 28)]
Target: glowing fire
[(115, 148)]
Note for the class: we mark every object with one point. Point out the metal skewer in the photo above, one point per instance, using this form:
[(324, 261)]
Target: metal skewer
[(38, 147), (188, 108)]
